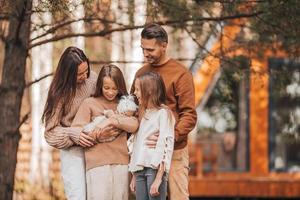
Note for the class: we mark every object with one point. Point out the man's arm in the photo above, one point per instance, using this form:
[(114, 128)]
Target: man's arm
[(187, 116)]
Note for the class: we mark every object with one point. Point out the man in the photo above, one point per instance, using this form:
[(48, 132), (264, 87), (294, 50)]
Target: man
[(180, 99)]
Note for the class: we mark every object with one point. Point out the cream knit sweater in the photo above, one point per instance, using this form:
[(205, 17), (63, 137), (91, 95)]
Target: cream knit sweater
[(59, 134)]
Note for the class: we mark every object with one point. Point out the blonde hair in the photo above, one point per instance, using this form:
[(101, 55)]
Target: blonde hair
[(152, 90)]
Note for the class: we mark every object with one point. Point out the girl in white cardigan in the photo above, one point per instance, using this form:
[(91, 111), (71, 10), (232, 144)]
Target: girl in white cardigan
[(150, 166)]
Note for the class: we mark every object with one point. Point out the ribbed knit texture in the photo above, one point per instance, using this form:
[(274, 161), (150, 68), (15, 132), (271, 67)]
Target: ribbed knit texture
[(60, 134)]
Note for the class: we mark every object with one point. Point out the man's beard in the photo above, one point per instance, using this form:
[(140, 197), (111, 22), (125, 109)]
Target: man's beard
[(152, 60)]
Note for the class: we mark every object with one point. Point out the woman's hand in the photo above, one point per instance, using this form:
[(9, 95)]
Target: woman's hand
[(86, 140), (155, 187), (132, 183)]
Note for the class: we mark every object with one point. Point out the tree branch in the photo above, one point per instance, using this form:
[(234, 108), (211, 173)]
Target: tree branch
[(23, 120), (37, 80), (198, 44), (95, 62), (221, 55), (68, 22), (120, 29), (91, 34)]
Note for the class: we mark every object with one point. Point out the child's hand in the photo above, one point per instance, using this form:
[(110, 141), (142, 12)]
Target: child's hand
[(155, 187), (107, 132), (85, 140), (93, 135), (132, 184)]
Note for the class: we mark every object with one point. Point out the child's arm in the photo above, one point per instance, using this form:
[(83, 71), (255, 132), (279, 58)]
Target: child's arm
[(83, 117), (92, 125), (132, 183), (157, 181), (107, 130), (125, 123), (163, 149), (165, 143)]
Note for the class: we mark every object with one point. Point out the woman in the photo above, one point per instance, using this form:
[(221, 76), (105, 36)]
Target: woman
[(72, 83)]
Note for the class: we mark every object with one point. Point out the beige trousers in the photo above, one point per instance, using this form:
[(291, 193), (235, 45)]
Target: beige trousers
[(179, 175), (108, 182)]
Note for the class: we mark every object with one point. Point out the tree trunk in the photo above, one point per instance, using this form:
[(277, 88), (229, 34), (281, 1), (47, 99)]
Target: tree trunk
[(11, 92)]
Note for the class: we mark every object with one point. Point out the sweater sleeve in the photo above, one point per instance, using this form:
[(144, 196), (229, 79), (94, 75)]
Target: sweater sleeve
[(83, 115), (125, 123), (165, 144), (58, 136), (185, 93)]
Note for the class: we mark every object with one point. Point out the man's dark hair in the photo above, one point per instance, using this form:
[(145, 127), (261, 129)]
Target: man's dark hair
[(155, 31)]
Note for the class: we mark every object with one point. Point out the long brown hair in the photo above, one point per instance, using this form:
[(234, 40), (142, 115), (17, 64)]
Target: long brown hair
[(152, 90), (116, 75), (63, 87)]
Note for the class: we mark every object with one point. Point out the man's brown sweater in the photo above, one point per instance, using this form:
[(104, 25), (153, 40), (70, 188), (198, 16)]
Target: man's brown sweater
[(180, 96)]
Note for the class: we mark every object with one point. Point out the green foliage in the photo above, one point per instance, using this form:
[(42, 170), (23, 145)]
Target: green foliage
[(61, 7), (54, 5), (279, 23), (174, 9)]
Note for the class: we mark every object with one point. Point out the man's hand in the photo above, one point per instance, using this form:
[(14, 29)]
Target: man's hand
[(152, 140), (86, 140)]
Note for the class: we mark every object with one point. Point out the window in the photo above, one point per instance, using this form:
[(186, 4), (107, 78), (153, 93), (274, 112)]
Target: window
[(223, 121), (284, 115)]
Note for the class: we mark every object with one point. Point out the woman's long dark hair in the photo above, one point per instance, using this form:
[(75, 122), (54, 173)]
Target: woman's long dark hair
[(63, 87), (116, 75)]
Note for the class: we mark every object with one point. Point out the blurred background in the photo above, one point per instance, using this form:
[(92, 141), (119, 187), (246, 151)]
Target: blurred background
[(244, 57)]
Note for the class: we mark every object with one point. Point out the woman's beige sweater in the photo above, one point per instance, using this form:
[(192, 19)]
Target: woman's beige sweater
[(58, 133)]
